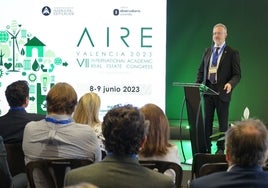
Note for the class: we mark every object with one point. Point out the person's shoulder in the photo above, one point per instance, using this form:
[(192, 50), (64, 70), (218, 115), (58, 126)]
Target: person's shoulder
[(158, 178), (172, 154), (4, 119), (3, 115), (81, 173), (83, 129), (8, 115), (36, 116), (231, 49), (208, 49), (204, 180), (173, 148), (34, 123), (264, 174), (85, 169), (148, 173), (82, 126)]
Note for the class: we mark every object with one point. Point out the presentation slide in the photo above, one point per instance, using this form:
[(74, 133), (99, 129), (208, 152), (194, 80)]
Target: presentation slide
[(114, 48)]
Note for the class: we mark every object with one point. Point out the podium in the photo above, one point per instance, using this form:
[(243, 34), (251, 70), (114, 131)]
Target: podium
[(193, 96)]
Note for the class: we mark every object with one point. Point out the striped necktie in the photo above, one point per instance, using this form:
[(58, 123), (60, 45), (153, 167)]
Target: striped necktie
[(215, 56)]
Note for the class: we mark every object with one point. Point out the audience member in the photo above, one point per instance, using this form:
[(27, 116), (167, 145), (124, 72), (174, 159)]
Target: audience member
[(157, 146), (246, 152), (13, 122), (87, 112), (58, 136), (18, 181), (124, 129)]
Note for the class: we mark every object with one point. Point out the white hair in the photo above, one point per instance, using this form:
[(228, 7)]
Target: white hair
[(220, 25)]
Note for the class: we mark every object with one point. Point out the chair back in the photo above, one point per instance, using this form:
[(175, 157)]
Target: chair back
[(5, 176), (200, 159), (15, 158), (265, 166), (209, 168), (103, 154), (163, 166), (53, 170)]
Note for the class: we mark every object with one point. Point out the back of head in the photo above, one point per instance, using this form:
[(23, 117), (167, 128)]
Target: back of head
[(124, 129), (17, 93), (247, 143), (158, 136), (61, 99), (87, 109)]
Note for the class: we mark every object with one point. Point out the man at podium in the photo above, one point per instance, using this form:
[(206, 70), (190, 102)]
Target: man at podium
[(219, 70)]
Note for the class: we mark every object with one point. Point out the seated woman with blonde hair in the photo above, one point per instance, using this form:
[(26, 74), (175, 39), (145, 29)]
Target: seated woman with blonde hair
[(87, 112)]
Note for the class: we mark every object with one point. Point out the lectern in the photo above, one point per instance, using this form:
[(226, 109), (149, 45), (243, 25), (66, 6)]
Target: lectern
[(193, 95)]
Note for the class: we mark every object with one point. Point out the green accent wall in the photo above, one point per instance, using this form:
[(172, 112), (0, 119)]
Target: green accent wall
[(189, 32)]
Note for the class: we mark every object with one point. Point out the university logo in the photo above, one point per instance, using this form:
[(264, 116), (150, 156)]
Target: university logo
[(46, 11)]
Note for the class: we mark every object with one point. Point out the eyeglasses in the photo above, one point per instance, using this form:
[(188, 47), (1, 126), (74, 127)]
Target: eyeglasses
[(218, 33)]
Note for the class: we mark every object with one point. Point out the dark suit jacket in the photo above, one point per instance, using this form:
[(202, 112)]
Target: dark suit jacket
[(114, 172), (237, 177), (12, 125), (229, 70)]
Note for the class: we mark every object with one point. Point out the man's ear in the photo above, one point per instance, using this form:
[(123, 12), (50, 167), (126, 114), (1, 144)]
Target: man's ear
[(228, 157), (26, 102), (143, 141)]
